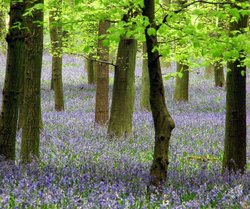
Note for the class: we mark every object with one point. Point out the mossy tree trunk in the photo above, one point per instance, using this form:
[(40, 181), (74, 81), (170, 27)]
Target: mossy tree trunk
[(32, 82), (56, 45), (3, 28), (208, 73), (145, 86), (102, 79), (219, 79), (14, 69), (122, 108), (235, 132), (181, 83), (163, 122)]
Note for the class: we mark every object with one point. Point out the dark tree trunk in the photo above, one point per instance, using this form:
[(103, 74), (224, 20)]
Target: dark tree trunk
[(122, 107), (14, 69), (32, 83), (102, 82), (163, 122), (181, 83), (219, 79), (56, 44), (235, 132), (145, 86)]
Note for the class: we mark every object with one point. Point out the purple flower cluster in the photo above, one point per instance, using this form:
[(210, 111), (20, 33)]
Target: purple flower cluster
[(80, 167)]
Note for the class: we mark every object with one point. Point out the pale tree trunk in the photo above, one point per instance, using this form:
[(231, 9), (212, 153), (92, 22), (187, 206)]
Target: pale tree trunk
[(235, 132), (56, 45), (32, 83), (14, 69), (122, 108), (208, 73), (102, 79), (163, 122), (219, 80), (3, 28), (181, 83), (145, 86)]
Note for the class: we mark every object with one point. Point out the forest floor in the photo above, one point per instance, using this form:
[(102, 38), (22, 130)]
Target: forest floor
[(80, 167)]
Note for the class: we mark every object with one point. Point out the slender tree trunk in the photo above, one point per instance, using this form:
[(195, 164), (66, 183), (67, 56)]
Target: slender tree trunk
[(219, 75), (209, 71), (89, 66), (14, 69), (52, 80), (163, 122), (32, 91), (102, 75), (235, 132), (122, 107), (181, 83), (145, 85), (3, 28), (56, 43)]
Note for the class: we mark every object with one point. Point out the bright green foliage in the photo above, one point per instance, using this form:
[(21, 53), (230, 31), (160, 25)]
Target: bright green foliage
[(187, 33)]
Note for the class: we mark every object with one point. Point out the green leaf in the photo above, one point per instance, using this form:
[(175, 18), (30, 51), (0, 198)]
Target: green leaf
[(151, 31)]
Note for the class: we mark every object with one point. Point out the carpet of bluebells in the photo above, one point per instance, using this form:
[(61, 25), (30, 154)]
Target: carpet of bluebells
[(80, 167)]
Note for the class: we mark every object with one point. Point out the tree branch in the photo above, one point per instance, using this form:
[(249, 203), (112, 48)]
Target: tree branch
[(190, 4), (100, 61)]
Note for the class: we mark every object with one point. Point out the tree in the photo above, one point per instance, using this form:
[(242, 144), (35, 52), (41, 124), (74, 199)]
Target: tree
[(91, 69), (102, 76), (163, 123), (56, 50), (145, 86), (3, 28), (235, 132), (32, 80), (181, 83), (122, 107), (14, 70), (219, 79)]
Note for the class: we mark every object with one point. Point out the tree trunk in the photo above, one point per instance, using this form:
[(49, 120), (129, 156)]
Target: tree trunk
[(14, 69), (209, 71), (122, 107), (235, 132), (163, 122), (102, 76), (32, 100), (89, 63), (181, 83), (219, 75), (56, 43), (145, 86), (21, 115), (3, 28)]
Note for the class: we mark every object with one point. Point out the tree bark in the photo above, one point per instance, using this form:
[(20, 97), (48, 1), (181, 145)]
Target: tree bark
[(208, 71), (3, 28), (89, 63), (122, 108), (32, 99), (145, 86), (102, 76), (181, 83), (219, 80), (56, 44), (235, 133), (163, 122), (14, 69)]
